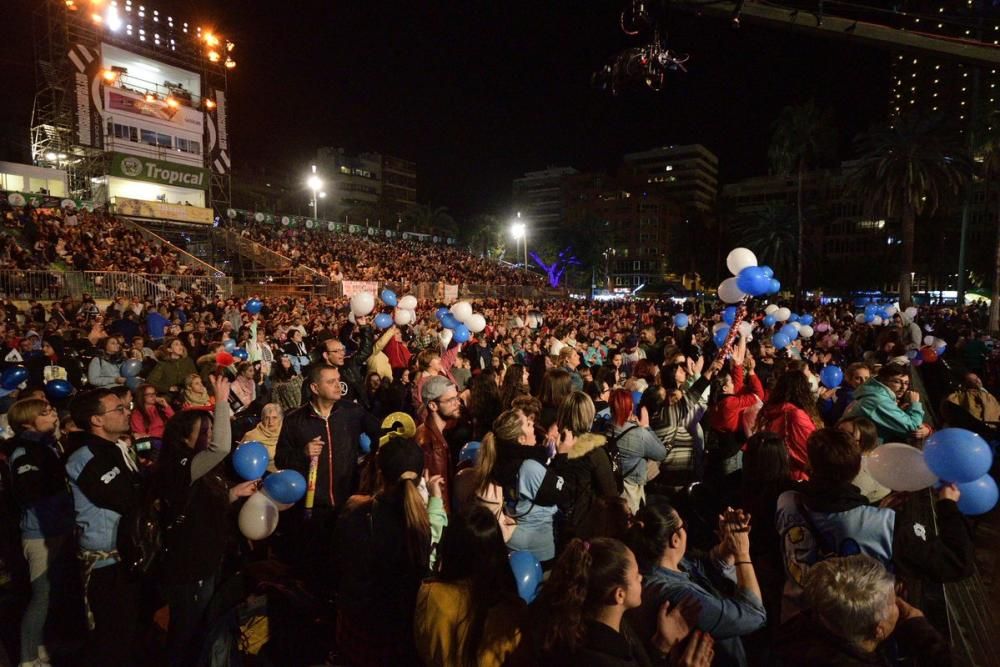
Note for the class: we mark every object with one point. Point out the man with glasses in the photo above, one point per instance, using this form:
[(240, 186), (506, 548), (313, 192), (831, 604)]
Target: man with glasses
[(106, 485), (333, 353), (442, 404), (888, 402)]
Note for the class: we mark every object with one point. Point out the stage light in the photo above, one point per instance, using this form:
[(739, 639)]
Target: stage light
[(109, 75), (112, 19), (50, 156), (209, 104), (96, 18), (230, 46), (213, 56), (150, 97), (210, 39), (230, 63), (172, 103)]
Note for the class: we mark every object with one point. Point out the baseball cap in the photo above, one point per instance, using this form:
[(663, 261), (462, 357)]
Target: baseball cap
[(434, 388), (398, 457)]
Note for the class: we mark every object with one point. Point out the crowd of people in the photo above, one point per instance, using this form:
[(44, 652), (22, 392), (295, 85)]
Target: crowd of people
[(343, 256), (683, 507)]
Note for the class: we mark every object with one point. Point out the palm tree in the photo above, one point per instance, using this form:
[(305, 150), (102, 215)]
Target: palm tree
[(429, 220), (771, 234), (988, 151), (909, 169), (484, 234), (802, 136)]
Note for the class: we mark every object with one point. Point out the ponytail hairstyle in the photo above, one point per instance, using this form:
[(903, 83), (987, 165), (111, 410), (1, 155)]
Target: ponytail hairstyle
[(472, 552), (583, 580), (506, 429), (401, 462), (651, 532)]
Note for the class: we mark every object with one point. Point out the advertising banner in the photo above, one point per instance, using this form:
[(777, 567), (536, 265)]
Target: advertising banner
[(160, 211), (450, 293), (87, 100), (352, 287), (180, 116), (158, 171)]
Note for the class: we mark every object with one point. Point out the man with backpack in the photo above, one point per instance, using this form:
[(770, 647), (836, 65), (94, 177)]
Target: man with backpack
[(106, 485)]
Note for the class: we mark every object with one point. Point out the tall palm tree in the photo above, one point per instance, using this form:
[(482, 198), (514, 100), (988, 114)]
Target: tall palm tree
[(430, 220), (988, 151), (802, 136), (909, 169), (484, 234), (771, 233)]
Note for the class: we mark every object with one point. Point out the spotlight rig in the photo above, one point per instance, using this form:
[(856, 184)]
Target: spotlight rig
[(639, 66)]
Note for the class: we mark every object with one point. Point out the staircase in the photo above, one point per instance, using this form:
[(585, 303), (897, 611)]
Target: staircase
[(255, 265)]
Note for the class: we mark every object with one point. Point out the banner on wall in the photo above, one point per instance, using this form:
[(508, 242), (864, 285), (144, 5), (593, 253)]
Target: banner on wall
[(352, 287), (158, 171), (450, 293), (141, 208), (87, 98)]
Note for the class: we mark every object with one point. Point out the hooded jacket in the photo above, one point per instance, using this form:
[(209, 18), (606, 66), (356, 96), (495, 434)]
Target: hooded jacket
[(39, 486), (877, 402), (589, 475), (170, 373)]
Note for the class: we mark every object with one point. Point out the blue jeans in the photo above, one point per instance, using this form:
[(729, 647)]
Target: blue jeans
[(188, 603)]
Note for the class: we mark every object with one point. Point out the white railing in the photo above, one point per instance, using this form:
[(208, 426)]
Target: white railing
[(49, 285)]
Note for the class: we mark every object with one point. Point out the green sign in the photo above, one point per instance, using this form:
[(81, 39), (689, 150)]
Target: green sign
[(158, 171)]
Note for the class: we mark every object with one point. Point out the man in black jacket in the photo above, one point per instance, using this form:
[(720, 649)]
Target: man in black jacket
[(333, 353)]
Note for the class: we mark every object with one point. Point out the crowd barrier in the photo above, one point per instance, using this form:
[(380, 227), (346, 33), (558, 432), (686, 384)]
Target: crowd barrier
[(51, 285)]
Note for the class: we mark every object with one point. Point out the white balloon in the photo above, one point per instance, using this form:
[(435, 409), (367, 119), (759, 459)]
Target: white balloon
[(745, 328), (805, 331), (877, 320), (476, 323), (911, 312), (899, 467), (350, 317), (362, 303), (739, 259), (408, 302), (462, 310), (729, 292), (928, 340), (938, 343), (860, 318), (259, 517), (401, 317), (797, 325), (717, 326), (891, 310), (445, 336), (771, 308), (782, 314)]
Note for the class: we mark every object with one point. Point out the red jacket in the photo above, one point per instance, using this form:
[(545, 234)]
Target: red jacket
[(437, 457), (399, 355), (795, 426), (725, 415)]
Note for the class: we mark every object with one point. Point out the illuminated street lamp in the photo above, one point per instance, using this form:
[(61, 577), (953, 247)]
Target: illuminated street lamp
[(315, 184), (519, 231)]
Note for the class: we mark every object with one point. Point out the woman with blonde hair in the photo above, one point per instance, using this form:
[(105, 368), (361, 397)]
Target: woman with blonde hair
[(196, 397), (267, 431)]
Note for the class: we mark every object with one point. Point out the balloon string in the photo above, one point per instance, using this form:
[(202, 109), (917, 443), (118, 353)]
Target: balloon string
[(734, 330)]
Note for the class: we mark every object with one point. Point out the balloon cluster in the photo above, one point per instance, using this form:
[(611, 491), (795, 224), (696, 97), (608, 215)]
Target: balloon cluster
[(405, 309), (259, 515), (952, 455), (748, 278), (459, 322)]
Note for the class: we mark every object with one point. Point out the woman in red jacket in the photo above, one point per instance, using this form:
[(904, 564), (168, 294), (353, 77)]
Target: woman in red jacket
[(790, 411), (731, 396)]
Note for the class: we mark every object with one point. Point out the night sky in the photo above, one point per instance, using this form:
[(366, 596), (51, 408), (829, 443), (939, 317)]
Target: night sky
[(479, 92)]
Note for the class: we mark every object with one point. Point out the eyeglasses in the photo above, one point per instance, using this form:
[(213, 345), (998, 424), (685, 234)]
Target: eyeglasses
[(439, 401), (120, 408)]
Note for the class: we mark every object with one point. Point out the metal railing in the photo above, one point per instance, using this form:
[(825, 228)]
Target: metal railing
[(183, 257), (50, 285), (423, 291)]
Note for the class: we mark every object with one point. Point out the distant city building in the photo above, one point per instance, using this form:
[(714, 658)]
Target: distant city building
[(540, 197), (688, 174), (366, 187)]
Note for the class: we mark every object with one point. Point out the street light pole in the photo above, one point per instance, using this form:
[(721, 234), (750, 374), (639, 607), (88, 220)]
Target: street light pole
[(315, 184), (519, 233)]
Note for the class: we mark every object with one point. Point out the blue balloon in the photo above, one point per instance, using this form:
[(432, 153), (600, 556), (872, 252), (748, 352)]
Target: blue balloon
[(241, 354), (978, 496), (729, 315), (450, 322), (365, 443), (253, 306), (957, 455), (441, 313), (250, 460), (871, 310), (768, 321), (774, 286), (911, 354), (869, 318), (768, 272), (285, 486), (753, 281), (805, 320), (389, 298), (469, 452), (720, 336), (13, 376), (831, 377), (56, 389), (793, 318), (884, 315), (527, 573), (229, 345), (383, 320), (681, 321), (780, 340), (461, 334), (131, 368), (791, 332)]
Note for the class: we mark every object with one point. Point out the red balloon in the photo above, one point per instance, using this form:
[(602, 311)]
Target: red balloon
[(929, 354), (225, 359)]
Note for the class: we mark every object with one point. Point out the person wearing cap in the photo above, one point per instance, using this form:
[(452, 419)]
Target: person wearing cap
[(382, 551), (439, 396)]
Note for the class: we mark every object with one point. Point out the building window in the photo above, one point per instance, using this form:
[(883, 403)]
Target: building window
[(148, 137)]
